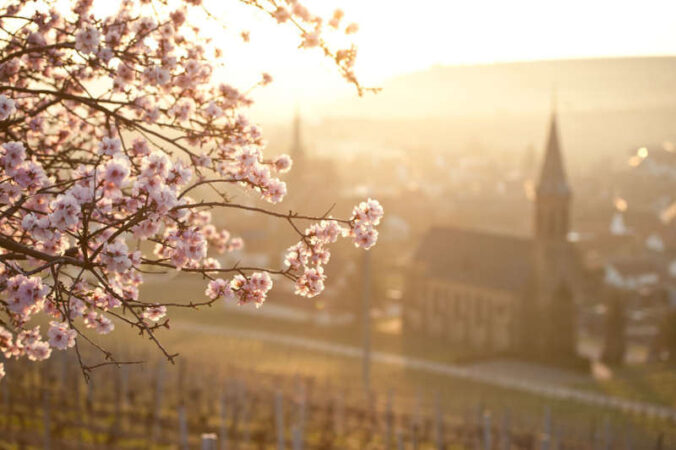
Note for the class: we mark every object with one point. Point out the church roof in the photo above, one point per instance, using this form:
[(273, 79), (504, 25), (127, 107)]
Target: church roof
[(553, 179), (477, 258)]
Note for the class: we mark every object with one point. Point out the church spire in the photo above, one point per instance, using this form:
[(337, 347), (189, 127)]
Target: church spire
[(553, 181), (552, 194), (297, 151)]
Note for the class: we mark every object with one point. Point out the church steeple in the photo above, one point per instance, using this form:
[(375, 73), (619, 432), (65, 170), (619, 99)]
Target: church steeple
[(297, 151), (553, 175), (553, 194)]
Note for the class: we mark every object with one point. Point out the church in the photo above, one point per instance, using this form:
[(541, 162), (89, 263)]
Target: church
[(501, 294)]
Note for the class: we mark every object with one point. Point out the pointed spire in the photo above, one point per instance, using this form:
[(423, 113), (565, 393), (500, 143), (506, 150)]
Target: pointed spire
[(553, 175), (297, 151)]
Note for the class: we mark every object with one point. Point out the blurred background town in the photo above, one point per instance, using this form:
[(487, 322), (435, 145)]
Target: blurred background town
[(474, 161), (527, 259), (522, 293)]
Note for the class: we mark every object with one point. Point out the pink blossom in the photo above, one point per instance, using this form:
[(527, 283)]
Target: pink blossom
[(365, 217), (5, 339), (116, 171), (235, 244), (105, 54), (213, 111), (369, 211), (219, 288), (310, 40), (179, 175), (351, 28), (155, 312), (65, 212), (296, 256), (115, 256), (39, 227), (140, 147), (283, 163), (336, 18), (76, 307), (7, 107), (9, 192), (310, 283), (146, 229), (156, 76), (183, 109), (157, 163), (13, 156), (30, 176), (253, 289), (38, 351), (98, 322), (110, 146), (281, 14), (87, 39), (202, 161), (61, 336), (211, 263), (274, 191), (25, 296), (365, 237), (126, 73), (178, 17), (301, 11)]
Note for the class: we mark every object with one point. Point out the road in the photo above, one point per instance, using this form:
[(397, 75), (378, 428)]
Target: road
[(479, 373)]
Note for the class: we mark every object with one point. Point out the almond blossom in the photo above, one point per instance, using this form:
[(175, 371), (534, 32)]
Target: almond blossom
[(6, 107), (87, 39), (111, 131), (155, 312), (219, 288), (61, 336)]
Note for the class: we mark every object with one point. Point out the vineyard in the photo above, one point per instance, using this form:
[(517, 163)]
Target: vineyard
[(157, 405)]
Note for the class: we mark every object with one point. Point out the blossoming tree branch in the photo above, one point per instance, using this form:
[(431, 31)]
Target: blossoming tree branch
[(107, 126)]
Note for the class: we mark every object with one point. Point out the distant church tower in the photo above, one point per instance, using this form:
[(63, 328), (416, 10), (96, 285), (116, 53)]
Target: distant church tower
[(552, 195), (302, 183), (555, 310), (297, 150)]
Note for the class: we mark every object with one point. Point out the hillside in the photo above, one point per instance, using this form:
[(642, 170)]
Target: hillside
[(605, 105)]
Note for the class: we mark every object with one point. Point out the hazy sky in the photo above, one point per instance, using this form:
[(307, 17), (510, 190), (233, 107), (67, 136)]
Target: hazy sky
[(399, 36)]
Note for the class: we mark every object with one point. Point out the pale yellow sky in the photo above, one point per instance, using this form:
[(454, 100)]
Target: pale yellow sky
[(400, 36)]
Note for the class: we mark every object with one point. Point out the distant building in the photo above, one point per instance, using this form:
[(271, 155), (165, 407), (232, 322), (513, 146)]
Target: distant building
[(313, 182), (496, 293), (631, 274), (312, 186)]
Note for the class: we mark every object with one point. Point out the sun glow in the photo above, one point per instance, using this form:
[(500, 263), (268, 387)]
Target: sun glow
[(397, 37)]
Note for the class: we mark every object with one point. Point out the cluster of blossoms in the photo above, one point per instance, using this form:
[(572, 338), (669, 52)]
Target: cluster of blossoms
[(99, 189), (312, 35), (365, 217), (251, 289), (309, 256), (306, 259)]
